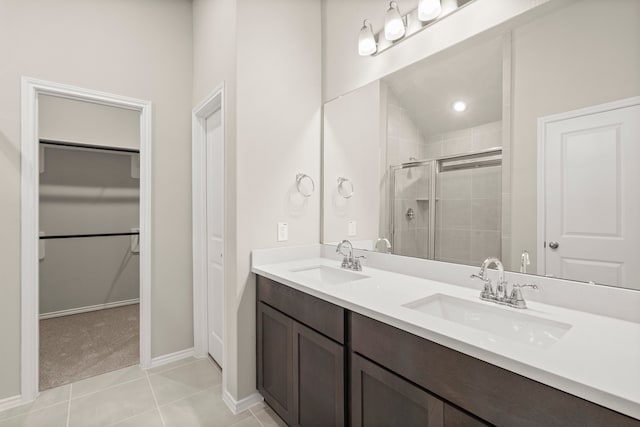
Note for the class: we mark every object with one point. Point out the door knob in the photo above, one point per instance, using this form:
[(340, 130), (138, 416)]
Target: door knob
[(554, 245)]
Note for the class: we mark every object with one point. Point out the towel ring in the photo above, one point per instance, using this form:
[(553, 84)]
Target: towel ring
[(303, 182), (345, 187)]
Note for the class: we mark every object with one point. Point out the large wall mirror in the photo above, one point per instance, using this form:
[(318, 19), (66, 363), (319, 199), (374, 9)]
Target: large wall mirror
[(522, 143)]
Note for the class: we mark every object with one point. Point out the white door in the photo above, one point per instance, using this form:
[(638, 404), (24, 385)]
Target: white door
[(592, 197), (215, 235)]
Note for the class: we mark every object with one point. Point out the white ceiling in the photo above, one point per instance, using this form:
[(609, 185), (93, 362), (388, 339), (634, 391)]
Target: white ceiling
[(471, 72)]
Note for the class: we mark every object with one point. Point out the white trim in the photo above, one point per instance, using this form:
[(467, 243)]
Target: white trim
[(171, 357), (542, 126), (31, 89), (237, 406), (212, 103), (89, 308), (11, 402)]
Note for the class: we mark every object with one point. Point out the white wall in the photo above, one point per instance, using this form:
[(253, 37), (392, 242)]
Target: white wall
[(279, 110), (69, 120), (352, 149), (344, 70), (584, 54), (272, 121), (140, 49)]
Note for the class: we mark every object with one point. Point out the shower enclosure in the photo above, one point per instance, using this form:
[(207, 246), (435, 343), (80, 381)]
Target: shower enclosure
[(448, 209)]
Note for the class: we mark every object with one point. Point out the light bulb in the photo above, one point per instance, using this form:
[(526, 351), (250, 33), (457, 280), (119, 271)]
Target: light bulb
[(459, 106), (429, 9), (393, 23), (366, 40)]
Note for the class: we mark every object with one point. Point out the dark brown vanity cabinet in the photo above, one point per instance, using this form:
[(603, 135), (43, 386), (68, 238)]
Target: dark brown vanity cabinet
[(301, 356), (394, 378), (490, 393)]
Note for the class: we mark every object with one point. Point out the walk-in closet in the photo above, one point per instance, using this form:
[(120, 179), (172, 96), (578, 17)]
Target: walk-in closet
[(89, 271)]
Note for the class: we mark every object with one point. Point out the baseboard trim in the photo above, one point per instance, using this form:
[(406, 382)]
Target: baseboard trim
[(171, 357), (237, 406), (10, 402), (89, 308)]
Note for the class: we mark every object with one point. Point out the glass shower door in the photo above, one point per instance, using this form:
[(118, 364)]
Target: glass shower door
[(468, 212), (410, 209)]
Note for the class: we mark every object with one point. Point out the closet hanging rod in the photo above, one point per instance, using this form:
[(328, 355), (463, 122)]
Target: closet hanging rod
[(78, 236), (88, 146)]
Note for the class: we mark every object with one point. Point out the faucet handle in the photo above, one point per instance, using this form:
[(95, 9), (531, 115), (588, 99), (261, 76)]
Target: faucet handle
[(479, 276), (526, 285), (516, 298), (357, 264)]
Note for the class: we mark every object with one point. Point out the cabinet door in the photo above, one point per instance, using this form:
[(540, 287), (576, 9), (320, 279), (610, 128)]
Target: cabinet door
[(318, 379), (381, 398), (275, 350), (454, 417)]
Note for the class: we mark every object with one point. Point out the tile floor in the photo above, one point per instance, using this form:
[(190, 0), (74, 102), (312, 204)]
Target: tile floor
[(185, 393)]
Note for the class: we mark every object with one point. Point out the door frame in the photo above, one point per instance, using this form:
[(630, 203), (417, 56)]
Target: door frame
[(30, 177), (213, 102), (542, 125)]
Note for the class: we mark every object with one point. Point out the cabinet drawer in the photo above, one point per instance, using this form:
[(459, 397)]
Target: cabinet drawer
[(324, 317), (494, 394)]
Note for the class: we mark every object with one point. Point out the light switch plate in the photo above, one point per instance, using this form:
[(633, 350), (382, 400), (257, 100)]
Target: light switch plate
[(283, 232), (352, 228)]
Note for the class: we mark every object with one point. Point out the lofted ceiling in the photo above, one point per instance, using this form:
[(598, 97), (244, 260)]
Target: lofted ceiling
[(471, 72)]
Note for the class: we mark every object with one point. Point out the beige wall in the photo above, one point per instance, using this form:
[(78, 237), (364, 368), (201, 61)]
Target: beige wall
[(352, 149), (140, 49), (69, 120), (268, 54), (584, 54), (214, 58), (278, 128)]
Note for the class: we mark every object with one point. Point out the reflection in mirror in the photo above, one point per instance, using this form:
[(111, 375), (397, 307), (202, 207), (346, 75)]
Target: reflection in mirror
[(518, 143)]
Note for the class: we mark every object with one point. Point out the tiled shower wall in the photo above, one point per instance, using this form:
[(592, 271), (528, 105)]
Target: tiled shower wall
[(468, 217)]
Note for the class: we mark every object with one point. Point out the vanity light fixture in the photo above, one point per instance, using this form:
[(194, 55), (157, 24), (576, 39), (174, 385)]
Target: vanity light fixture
[(459, 106), (398, 27), (394, 27), (366, 40), (429, 10)]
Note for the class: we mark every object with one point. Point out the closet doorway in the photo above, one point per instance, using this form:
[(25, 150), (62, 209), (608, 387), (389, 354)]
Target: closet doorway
[(85, 221)]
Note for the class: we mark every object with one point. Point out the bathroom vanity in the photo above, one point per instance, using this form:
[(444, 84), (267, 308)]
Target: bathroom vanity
[(336, 347)]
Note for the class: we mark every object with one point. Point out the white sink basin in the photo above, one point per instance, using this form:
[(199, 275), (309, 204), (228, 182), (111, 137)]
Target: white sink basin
[(329, 275), (500, 321)]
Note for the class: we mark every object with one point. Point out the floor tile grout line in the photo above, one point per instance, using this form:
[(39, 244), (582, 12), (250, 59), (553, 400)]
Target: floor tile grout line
[(69, 404), (108, 388), (188, 396), (155, 399), (132, 416), (29, 411), (144, 371)]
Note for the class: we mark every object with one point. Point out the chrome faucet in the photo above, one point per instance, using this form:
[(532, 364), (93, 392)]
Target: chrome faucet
[(349, 261), (387, 244), (500, 295), (524, 261)]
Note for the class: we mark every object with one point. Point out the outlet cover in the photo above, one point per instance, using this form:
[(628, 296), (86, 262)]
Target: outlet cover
[(283, 232), (352, 228)]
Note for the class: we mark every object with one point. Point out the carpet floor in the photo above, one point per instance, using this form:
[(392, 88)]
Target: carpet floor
[(88, 344)]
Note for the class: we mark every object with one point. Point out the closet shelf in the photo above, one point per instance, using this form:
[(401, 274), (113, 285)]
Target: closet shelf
[(81, 236)]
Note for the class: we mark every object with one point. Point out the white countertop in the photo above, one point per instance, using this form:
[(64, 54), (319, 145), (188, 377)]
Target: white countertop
[(598, 359)]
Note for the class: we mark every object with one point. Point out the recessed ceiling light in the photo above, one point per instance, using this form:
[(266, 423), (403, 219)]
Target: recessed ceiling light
[(459, 106)]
